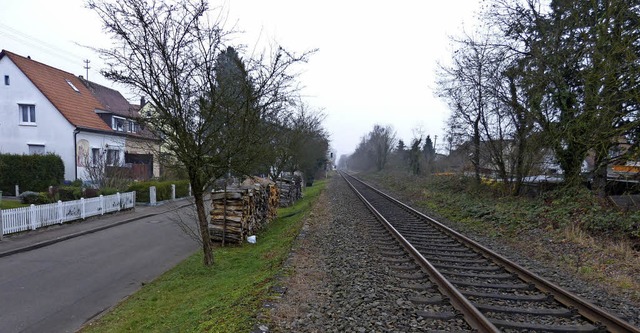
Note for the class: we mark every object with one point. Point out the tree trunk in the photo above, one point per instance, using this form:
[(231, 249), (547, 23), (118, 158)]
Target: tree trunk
[(476, 150), (600, 173), (207, 248)]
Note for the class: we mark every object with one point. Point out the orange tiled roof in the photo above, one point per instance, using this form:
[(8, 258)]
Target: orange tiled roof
[(77, 107)]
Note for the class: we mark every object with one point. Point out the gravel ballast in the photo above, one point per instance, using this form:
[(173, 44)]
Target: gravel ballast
[(337, 280)]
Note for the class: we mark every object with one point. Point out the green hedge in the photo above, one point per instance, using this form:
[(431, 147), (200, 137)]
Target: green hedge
[(163, 189), (31, 172)]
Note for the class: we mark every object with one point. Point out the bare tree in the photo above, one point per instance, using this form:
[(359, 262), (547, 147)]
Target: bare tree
[(463, 85), (382, 140), (106, 172), (208, 105)]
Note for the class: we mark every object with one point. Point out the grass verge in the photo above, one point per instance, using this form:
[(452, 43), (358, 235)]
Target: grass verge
[(9, 204), (223, 298)]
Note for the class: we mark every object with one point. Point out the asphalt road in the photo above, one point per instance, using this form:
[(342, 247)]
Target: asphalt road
[(59, 287)]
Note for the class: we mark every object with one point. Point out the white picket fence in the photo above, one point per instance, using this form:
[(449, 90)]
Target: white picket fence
[(34, 217)]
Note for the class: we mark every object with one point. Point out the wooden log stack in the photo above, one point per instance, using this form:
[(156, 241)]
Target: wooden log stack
[(247, 208), (290, 188)]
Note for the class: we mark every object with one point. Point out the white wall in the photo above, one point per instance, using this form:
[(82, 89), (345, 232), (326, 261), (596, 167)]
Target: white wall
[(102, 142), (51, 129)]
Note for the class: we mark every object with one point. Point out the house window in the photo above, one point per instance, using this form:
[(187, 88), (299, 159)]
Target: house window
[(36, 150), (133, 127), (27, 113), (117, 124), (72, 86), (113, 157), (95, 155), (6, 80)]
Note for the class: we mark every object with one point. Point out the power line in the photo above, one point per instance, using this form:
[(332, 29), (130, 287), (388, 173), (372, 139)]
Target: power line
[(36, 43)]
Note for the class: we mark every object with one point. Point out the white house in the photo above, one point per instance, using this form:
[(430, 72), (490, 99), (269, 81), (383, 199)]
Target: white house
[(46, 110)]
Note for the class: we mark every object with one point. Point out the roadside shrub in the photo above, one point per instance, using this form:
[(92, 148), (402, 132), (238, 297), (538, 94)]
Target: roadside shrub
[(29, 198), (109, 191), (68, 193), (163, 189), (30, 172), (76, 183), (91, 193)]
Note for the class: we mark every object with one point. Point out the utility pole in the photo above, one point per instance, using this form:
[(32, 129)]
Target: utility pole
[(86, 66)]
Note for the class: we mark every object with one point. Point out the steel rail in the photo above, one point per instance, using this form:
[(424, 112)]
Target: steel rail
[(590, 311), (472, 315)]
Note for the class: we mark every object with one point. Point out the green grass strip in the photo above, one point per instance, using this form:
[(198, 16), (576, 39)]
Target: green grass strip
[(9, 204), (226, 297)]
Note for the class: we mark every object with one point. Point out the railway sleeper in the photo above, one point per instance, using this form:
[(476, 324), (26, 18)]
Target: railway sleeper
[(500, 276), (454, 254), (388, 247), (548, 328), (396, 260), (393, 253), (428, 300), (410, 267), (446, 315), (417, 286), (444, 249), (562, 312), (410, 276), (510, 286), (452, 244), (461, 261), (469, 268), (509, 297)]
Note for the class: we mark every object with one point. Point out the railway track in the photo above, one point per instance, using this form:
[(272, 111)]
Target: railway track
[(492, 293)]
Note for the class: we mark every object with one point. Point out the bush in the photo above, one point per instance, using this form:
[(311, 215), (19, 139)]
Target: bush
[(109, 191), (68, 193), (91, 193), (29, 198), (163, 189), (30, 172)]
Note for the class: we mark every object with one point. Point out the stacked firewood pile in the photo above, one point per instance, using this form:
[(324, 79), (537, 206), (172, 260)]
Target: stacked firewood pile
[(290, 187), (242, 210)]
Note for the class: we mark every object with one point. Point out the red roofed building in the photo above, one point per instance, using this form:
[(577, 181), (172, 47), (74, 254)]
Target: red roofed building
[(46, 110)]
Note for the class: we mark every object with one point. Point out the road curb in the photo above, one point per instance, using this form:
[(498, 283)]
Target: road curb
[(82, 233)]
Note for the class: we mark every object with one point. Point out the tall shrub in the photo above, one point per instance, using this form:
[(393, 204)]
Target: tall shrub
[(31, 172)]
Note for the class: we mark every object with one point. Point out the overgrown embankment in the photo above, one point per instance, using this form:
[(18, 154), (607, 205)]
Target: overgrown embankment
[(573, 230)]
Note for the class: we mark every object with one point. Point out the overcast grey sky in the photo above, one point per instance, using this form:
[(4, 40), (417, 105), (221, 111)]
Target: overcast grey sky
[(375, 65)]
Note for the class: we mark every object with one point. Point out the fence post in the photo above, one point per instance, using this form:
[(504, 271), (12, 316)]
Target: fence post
[(33, 221), (101, 205), (173, 191), (17, 191), (83, 212), (119, 201), (152, 195), (134, 200), (60, 212), (189, 189), (1, 224)]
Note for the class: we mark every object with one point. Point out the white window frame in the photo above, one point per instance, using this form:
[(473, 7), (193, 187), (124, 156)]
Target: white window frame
[(115, 121), (132, 126), (36, 149), (30, 114)]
